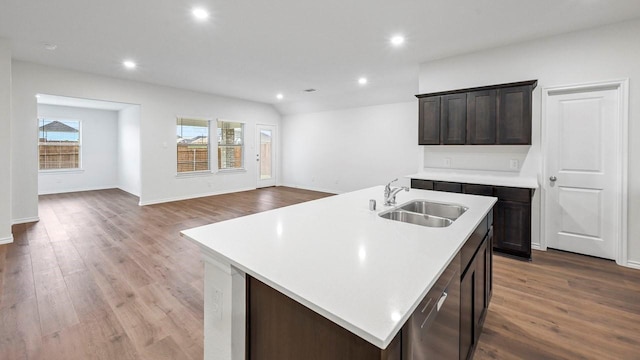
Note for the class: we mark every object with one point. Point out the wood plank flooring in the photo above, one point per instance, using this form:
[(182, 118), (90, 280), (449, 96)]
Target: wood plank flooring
[(562, 306), (100, 277)]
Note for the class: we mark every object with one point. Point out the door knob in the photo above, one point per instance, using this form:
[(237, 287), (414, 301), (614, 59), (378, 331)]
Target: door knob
[(553, 178)]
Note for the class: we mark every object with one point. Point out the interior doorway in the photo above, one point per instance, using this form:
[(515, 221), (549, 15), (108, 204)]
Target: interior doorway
[(585, 152), (87, 144)]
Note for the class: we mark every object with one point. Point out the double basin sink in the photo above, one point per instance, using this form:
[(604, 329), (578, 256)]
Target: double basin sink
[(425, 213)]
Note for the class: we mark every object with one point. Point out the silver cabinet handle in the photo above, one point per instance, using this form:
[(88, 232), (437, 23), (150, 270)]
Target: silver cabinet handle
[(553, 178)]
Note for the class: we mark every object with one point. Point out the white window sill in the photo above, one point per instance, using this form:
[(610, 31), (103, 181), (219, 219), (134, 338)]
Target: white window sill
[(191, 174), (60, 171), (230, 171)]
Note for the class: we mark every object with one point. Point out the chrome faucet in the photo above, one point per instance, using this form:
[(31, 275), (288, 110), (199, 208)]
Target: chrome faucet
[(390, 193)]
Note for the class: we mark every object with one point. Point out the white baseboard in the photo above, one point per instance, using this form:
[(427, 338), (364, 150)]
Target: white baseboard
[(49, 192), (312, 188), (7, 240), (25, 220), (187, 197), (633, 264), (535, 246)]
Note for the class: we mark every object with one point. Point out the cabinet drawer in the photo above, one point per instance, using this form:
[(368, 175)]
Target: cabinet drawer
[(513, 194), (486, 190), (447, 186), (421, 184)]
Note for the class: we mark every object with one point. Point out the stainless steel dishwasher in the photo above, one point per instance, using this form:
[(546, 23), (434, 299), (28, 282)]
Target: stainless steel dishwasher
[(433, 330)]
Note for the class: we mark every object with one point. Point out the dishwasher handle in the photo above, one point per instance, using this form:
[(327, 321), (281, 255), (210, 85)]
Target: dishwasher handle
[(443, 298), (434, 310)]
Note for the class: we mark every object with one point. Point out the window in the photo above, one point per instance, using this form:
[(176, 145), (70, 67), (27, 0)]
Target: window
[(230, 145), (59, 144), (193, 145)]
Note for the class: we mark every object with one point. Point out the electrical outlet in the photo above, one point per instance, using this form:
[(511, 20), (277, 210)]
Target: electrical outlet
[(513, 164), (447, 162)]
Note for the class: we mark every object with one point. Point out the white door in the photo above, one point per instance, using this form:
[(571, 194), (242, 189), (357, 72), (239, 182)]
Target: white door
[(582, 130), (265, 155)]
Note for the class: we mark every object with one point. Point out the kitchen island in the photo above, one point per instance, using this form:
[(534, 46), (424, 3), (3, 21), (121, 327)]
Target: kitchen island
[(333, 256)]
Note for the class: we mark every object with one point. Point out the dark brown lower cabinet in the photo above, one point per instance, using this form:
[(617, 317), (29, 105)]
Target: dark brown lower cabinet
[(512, 226), (513, 223), (279, 328)]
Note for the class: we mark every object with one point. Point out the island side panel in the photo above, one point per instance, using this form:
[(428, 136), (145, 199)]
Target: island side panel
[(282, 329), (224, 310)]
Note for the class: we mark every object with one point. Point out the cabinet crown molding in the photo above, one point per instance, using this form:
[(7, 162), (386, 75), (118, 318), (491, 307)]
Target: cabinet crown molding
[(532, 83)]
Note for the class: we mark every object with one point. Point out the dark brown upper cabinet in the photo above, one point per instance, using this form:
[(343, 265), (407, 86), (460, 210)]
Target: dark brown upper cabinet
[(514, 115), (453, 119), (481, 117), (488, 115), (429, 124)]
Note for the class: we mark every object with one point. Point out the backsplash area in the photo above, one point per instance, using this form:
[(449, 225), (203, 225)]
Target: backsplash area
[(515, 158)]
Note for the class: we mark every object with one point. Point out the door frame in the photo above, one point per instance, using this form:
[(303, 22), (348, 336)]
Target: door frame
[(274, 154), (621, 86)]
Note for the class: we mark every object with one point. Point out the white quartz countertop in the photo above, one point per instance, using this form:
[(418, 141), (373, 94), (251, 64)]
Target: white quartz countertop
[(333, 255), (482, 177)]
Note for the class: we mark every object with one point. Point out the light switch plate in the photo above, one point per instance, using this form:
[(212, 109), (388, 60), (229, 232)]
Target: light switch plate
[(447, 162)]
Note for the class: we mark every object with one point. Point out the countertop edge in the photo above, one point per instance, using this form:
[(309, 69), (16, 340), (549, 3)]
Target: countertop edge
[(494, 180)]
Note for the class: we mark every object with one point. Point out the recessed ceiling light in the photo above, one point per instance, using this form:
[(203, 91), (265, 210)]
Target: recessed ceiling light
[(397, 40), (200, 14), (362, 81), (129, 64), (280, 96), (50, 47)]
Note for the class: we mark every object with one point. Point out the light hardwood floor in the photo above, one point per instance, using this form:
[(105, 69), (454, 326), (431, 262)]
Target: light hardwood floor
[(101, 278)]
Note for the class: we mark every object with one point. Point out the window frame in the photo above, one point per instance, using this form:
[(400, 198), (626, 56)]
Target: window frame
[(242, 168), (210, 153), (80, 167)]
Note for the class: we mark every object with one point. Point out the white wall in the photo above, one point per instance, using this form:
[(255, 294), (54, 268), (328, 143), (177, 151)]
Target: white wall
[(345, 150), (99, 136), (5, 142), (159, 107), (129, 149), (601, 54)]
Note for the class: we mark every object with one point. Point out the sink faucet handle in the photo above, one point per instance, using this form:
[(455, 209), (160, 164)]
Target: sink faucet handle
[(387, 188)]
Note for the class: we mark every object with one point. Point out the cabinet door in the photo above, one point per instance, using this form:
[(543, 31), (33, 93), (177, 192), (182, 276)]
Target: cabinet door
[(514, 116), (453, 121), (429, 121), (480, 304), (447, 186), (467, 327), (513, 228), (489, 267), (481, 117)]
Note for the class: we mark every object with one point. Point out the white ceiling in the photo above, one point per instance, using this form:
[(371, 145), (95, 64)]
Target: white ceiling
[(255, 49)]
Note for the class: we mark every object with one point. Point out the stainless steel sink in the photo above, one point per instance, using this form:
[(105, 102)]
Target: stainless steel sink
[(425, 213), (418, 219), (449, 211)]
